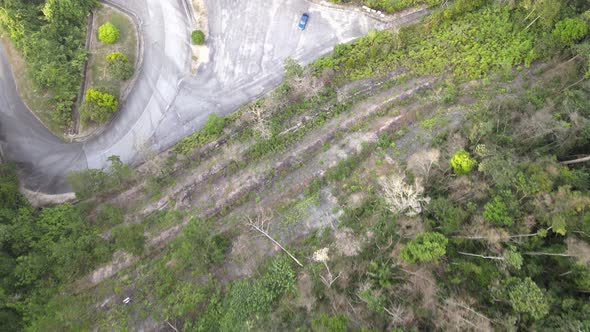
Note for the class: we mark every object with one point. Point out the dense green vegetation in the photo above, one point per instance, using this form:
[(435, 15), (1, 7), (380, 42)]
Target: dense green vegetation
[(119, 66), (51, 35), (497, 237), (212, 129), (98, 106), (469, 46), (425, 247), (108, 33), (93, 182), (462, 163), (41, 251)]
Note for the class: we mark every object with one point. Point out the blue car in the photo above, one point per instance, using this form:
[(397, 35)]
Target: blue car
[(303, 21)]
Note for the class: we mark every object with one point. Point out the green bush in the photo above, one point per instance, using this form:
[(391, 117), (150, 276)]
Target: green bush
[(469, 47), (526, 297), (500, 210), (42, 251), (197, 237), (214, 125), (462, 163), (89, 183), (250, 300), (212, 129), (98, 106), (108, 33), (448, 216), (570, 30), (109, 215), (119, 66), (10, 197), (198, 37), (327, 323), (425, 247), (129, 238), (292, 68)]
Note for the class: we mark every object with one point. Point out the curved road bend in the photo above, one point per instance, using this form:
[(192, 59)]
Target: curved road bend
[(248, 42)]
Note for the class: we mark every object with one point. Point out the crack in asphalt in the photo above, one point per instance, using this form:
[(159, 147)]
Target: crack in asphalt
[(248, 41)]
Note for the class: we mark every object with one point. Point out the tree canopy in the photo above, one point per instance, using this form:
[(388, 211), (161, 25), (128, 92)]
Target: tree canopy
[(51, 36), (108, 33), (98, 106), (425, 247)]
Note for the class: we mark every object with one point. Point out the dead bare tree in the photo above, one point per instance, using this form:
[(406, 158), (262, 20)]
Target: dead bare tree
[(259, 112), (421, 162), (575, 161), (495, 235), (261, 225), (396, 312), (306, 85), (172, 326), (322, 257), (457, 316), (402, 197), (537, 253)]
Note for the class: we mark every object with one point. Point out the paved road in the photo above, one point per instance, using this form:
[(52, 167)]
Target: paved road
[(248, 41)]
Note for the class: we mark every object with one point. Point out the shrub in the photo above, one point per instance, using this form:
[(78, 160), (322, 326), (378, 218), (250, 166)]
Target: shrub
[(98, 106), (109, 215), (92, 182), (214, 125), (198, 37), (570, 30), (425, 247), (119, 66), (292, 68), (88, 183), (327, 323), (117, 56), (448, 216), (500, 210), (108, 33), (10, 197), (462, 162), (469, 47), (212, 129), (526, 297), (251, 300), (197, 237), (129, 238)]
